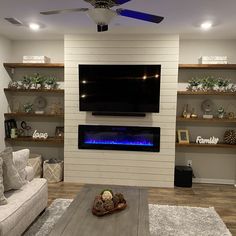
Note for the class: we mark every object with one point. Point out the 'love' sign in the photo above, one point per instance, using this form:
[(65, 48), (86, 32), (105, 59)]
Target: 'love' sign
[(40, 135)]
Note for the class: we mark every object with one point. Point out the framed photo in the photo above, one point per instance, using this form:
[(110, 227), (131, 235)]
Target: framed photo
[(59, 133), (183, 136)]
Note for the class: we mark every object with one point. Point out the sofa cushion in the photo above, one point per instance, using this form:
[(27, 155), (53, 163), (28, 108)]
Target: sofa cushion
[(20, 159), (29, 173), (24, 205), (3, 200), (11, 177)]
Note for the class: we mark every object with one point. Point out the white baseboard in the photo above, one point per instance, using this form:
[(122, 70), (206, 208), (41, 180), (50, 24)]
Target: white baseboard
[(214, 181)]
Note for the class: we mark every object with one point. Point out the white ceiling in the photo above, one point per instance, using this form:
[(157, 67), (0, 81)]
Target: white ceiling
[(181, 17)]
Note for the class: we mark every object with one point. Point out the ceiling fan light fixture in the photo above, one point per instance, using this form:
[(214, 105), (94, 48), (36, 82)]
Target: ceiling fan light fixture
[(34, 26), (101, 16), (206, 25)]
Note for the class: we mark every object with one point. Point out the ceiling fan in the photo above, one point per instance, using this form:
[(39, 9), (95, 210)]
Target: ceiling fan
[(102, 14)]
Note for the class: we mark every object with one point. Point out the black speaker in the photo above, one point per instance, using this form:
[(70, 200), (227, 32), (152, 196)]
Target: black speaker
[(183, 176)]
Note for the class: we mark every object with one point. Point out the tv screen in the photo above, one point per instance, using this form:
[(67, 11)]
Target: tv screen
[(119, 88)]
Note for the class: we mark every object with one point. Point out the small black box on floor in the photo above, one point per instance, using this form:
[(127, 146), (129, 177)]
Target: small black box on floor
[(183, 176)]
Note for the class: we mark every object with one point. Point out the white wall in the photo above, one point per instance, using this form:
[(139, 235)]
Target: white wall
[(52, 49), (209, 164), (191, 50), (121, 167), (5, 53)]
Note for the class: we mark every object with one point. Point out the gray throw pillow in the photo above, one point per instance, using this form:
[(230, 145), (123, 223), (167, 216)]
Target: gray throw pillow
[(3, 200), (11, 177)]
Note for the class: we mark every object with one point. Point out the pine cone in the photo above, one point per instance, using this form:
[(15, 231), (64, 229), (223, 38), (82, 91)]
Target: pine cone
[(121, 197), (99, 205), (116, 200), (108, 205), (230, 137)]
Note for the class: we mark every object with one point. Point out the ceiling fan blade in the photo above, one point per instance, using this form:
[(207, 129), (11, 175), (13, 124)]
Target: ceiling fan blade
[(63, 11), (120, 2), (139, 15)]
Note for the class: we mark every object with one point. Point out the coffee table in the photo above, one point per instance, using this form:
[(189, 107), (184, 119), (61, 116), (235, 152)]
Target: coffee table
[(78, 219)]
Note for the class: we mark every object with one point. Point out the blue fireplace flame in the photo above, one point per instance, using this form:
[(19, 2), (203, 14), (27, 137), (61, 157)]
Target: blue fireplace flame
[(114, 141)]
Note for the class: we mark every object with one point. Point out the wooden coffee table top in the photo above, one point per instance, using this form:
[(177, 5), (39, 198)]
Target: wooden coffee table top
[(78, 219)]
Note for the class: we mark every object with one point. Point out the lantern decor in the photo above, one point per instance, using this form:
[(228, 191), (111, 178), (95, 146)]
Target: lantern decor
[(107, 203), (230, 136)]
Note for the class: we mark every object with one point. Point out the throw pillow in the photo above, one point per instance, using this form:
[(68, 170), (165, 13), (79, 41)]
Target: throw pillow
[(3, 200), (11, 177), (20, 159)]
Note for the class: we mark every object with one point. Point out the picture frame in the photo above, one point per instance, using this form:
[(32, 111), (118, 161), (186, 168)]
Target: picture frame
[(183, 136), (59, 132)]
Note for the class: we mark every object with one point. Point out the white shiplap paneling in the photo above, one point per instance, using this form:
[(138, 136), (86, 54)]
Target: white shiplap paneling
[(121, 167)]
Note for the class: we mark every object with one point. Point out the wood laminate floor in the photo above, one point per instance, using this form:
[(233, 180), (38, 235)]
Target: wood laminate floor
[(222, 197)]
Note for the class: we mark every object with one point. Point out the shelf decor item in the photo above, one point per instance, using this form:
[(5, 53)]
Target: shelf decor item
[(28, 107), (183, 136), (40, 103), (36, 135), (36, 59), (107, 202), (50, 82), (53, 170), (194, 84), (213, 60), (211, 140), (221, 112), (207, 107), (59, 133), (230, 137)]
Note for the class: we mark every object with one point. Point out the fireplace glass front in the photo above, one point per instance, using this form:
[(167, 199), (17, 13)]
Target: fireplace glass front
[(130, 138)]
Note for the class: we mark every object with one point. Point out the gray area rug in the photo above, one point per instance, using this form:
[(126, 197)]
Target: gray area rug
[(164, 220)]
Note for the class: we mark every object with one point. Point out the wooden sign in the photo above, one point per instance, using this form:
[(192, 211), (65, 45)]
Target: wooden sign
[(211, 140), (40, 135)]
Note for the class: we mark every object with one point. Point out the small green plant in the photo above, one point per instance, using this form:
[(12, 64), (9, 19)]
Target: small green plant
[(208, 83), (26, 81), (194, 84), (51, 82)]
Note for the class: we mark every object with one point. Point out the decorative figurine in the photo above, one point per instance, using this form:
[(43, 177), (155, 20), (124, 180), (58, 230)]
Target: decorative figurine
[(221, 112), (193, 114), (207, 107)]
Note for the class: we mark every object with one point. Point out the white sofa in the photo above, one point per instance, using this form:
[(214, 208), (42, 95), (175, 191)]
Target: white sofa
[(24, 205)]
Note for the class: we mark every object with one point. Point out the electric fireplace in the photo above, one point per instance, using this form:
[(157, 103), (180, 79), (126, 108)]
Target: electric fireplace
[(129, 138)]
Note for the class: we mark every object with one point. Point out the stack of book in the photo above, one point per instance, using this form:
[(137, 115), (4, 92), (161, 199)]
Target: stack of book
[(214, 60), (36, 59)]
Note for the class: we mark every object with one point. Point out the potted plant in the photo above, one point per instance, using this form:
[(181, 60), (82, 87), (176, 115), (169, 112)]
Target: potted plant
[(194, 84), (38, 80), (50, 82), (26, 82), (208, 83)]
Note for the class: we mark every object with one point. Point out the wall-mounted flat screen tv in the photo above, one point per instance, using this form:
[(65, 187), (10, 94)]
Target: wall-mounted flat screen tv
[(119, 88)]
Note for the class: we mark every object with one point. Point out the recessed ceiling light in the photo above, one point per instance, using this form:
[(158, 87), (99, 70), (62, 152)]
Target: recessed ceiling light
[(206, 25), (34, 26)]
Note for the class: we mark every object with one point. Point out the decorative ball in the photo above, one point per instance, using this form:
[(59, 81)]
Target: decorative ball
[(108, 205), (107, 195), (230, 137)]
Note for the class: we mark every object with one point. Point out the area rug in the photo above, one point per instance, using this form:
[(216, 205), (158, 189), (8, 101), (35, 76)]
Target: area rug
[(164, 220)]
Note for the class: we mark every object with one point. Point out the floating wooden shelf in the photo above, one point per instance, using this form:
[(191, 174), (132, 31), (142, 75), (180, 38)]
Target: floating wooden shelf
[(24, 114), (208, 66), (61, 91), (49, 140), (219, 145), (206, 93), (214, 120), (33, 65)]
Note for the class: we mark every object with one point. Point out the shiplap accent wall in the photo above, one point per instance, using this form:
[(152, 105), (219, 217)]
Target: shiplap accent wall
[(121, 167)]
